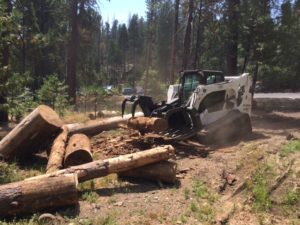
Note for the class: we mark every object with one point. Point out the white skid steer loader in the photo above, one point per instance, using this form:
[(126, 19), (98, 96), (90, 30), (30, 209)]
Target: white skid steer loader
[(205, 101)]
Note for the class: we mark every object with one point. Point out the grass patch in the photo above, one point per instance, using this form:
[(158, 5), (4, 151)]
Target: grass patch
[(90, 196), (201, 192), (202, 207), (290, 147), (110, 219), (9, 173), (30, 221), (259, 187), (293, 198), (186, 193)]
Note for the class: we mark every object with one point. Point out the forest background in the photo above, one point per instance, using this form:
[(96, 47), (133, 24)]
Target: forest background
[(55, 51)]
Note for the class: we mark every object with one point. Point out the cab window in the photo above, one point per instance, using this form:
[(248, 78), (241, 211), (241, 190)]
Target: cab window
[(214, 78), (191, 81)]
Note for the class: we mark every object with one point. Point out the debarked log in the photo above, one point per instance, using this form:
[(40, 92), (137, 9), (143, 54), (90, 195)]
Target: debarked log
[(97, 126), (164, 171), (147, 124), (31, 133), (78, 151), (30, 196), (118, 164), (57, 154)]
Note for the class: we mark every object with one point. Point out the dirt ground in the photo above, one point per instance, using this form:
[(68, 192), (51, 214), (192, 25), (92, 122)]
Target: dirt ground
[(204, 193), (248, 181)]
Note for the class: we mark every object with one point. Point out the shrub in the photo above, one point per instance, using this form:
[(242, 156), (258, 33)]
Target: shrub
[(53, 93), (20, 98)]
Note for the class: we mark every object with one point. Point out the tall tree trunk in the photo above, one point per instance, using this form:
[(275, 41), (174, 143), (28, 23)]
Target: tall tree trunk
[(149, 45), (174, 42), (187, 37), (5, 65), (198, 38), (233, 27), (73, 51)]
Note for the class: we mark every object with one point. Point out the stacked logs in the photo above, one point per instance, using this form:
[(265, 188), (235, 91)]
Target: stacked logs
[(71, 149)]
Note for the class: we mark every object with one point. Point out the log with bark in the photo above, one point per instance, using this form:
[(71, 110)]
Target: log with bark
[(95, 127), (38, 194), (57, 154), (78, 151), (118, 164), (31, 133), (147, 124), (164, 171)]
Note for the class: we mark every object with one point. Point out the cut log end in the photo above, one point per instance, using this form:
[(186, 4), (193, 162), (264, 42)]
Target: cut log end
[(50, 115), (77, 158), (78, 151)]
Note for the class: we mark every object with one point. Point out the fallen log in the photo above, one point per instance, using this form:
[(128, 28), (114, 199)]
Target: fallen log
[(164, 171), (97, 126), (78, 151), (144, 124), (118, 164), (29, 135), (56, 158), (38, 194)]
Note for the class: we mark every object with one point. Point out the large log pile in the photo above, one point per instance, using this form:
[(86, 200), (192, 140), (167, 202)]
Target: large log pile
[(71, 149), (59, 188), (118, 164)]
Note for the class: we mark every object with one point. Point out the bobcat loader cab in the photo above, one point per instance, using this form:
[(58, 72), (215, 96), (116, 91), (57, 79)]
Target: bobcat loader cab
[(205, 100)]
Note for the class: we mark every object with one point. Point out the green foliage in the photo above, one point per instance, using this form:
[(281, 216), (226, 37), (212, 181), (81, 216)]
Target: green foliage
[(53, 93), (201, 191), (290, 147), (31, 221), (277, 78), (90, 196), (260, 188), (293, 198), (9, 173), (21, 99)]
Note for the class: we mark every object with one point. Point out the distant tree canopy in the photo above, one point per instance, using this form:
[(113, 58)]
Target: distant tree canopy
[(70, 39)]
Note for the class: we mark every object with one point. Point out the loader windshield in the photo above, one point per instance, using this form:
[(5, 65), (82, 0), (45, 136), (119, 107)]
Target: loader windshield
[(191, 81)]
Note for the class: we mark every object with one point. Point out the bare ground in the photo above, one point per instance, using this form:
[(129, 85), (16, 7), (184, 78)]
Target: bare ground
[(248, 181)]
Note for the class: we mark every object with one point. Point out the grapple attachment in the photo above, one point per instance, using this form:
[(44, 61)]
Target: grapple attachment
[(145, 102), (182, 122)]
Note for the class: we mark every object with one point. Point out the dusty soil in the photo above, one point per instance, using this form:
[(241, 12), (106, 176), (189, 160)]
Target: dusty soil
[(215, 185), (222, 170)]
